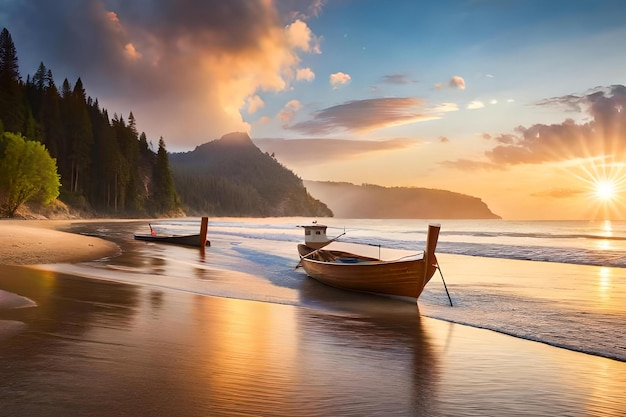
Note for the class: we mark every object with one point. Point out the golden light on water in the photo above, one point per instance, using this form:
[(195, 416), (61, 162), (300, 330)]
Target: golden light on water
[(604, 283), (607, 231)]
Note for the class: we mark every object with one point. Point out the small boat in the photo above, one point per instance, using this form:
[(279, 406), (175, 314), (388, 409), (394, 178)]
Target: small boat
[(404, 277), (197, 240)]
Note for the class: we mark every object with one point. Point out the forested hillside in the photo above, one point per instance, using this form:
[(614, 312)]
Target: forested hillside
[(106, 167), (375, 202), (232, 177)]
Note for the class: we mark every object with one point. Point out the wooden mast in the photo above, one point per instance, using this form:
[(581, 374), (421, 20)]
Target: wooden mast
[(204, 226)]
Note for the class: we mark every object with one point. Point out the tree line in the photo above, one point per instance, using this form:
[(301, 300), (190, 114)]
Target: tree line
[(104, 164)]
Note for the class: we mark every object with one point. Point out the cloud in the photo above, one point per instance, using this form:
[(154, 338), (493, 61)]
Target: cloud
[(300, 36), (288, 112), (131, 52), (339, 78), (186, 72), (445, 107), (366, 115), (470, 165), (254, 103), (263, 120), (558, 193), (475, 105), (506, 139), (457, 82), (313, 9), (305, 74), (293, 152), (602, 136), (570, 102), (397, 79)]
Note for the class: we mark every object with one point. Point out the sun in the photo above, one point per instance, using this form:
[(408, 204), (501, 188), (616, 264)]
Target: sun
[(605, 190), (604, 187)]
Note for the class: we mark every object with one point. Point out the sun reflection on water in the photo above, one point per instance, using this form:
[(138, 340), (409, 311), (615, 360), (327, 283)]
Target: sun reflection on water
[(604, 284)]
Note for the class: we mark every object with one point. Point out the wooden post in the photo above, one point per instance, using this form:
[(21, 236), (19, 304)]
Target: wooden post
[(204, 226)]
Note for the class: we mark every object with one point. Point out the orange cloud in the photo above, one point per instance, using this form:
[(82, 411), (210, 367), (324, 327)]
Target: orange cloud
[(559, 193), (289, 111), (457, 82), (339, 78), (367, 115), (255, 103), (203, 63), (470, 165), (131, 52), (305, 74), (299, 35)]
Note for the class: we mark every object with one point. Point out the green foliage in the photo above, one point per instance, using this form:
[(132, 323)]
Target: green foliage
[(27, 172)]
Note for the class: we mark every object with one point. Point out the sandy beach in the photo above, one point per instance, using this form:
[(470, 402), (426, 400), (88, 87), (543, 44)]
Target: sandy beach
[(29, 242)]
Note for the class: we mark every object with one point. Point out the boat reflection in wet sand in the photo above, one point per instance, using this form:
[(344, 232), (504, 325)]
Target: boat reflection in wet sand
[(402, 277)]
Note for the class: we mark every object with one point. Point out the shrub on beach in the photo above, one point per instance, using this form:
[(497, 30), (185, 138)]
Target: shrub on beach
[(27, 172)]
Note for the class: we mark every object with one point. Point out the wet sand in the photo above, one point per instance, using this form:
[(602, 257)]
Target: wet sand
[(79, 346)]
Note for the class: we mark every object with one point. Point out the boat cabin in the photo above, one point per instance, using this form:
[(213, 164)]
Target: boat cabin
[(315, 236)]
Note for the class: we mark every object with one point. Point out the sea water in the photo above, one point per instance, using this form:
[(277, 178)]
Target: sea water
[(238, 329), (567, 287)]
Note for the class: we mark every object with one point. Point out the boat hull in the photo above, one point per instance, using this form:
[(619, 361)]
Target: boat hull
[(401, 278), (185, 240)]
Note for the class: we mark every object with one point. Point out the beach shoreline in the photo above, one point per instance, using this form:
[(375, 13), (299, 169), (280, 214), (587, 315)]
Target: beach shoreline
[(31, 242)]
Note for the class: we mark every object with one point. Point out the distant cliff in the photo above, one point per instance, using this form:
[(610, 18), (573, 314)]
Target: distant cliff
[(375, 202), (230, 176)]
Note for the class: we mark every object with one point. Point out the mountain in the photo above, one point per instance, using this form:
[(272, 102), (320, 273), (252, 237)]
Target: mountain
[(230, 176), (375, 202)]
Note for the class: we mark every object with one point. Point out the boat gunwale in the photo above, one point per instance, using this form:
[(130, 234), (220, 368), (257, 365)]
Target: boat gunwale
[(364, 262)]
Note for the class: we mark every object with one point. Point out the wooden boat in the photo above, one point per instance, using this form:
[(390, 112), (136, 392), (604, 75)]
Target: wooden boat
[(197, 240), (405, 277)]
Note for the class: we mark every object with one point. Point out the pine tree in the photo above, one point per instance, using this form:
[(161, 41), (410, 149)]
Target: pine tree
[(164, 195), (11, 105), (39, 79), (50, 117), (78, 139), (106, 161)]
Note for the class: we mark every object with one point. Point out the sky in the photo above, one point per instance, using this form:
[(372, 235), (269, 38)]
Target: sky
[(516, 102)]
